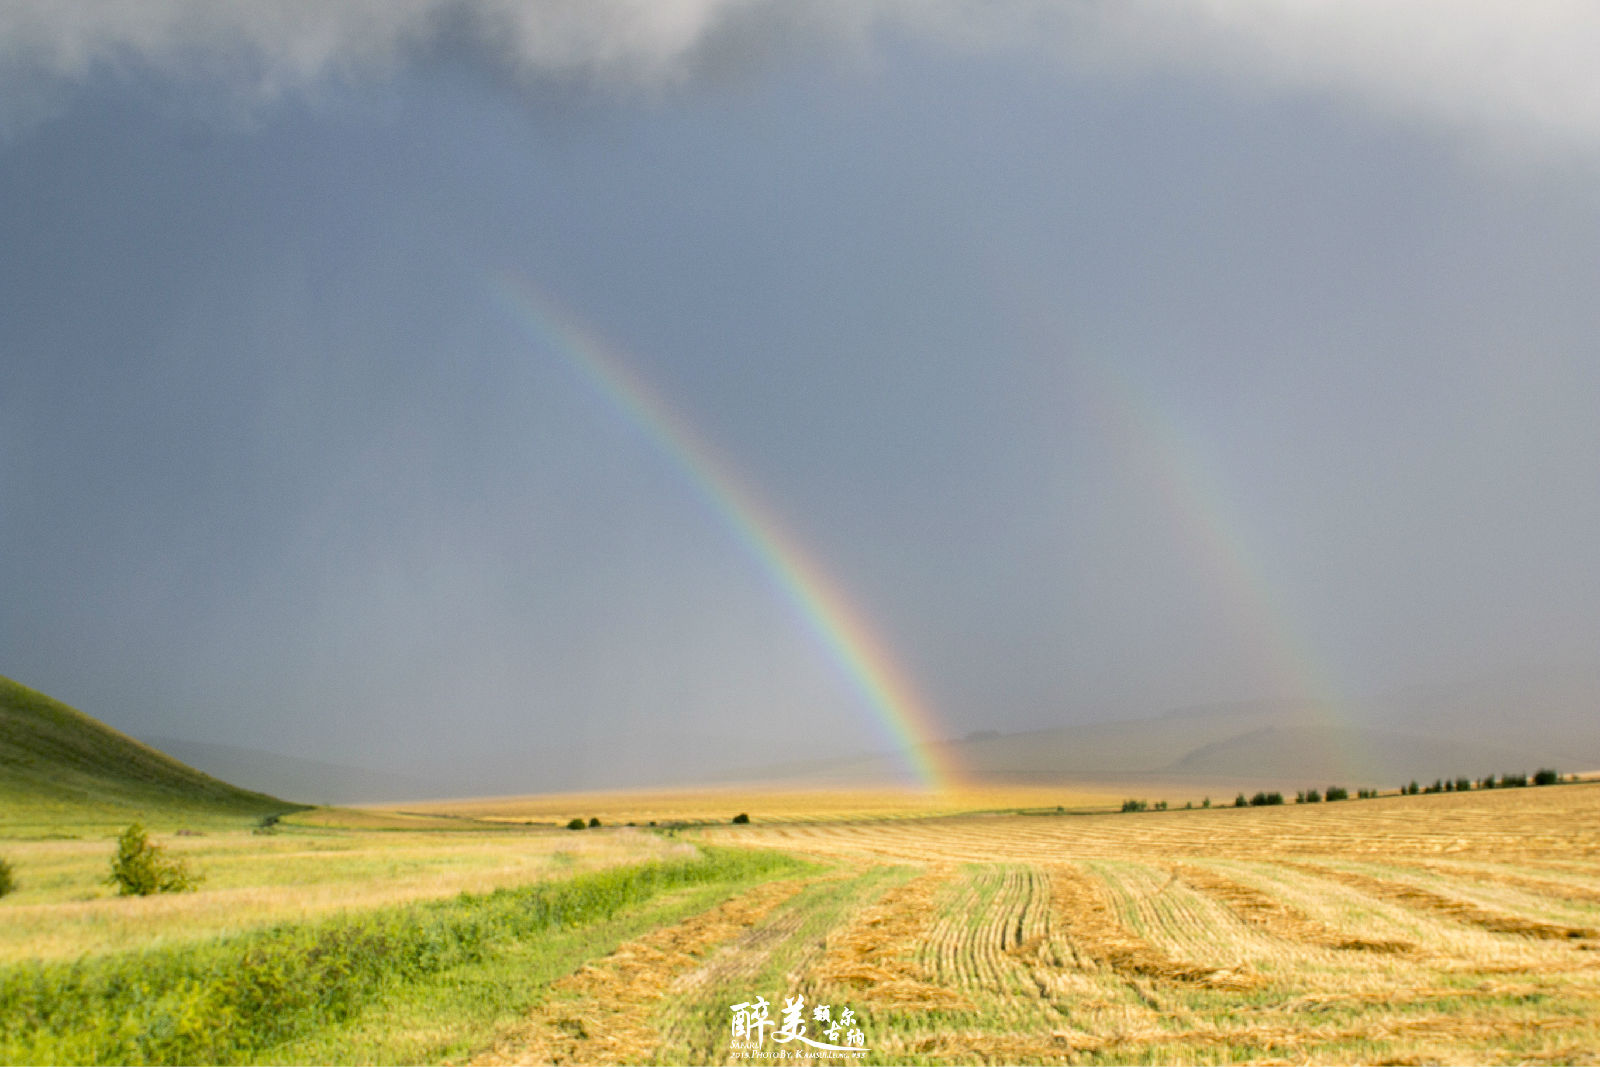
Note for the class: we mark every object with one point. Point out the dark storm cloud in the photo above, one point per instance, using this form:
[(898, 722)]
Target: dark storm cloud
[(1521, 72), (277, 470)]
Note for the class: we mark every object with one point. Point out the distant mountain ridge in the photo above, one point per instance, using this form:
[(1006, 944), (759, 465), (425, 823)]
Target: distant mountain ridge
[(1516, 722), (55, 754)]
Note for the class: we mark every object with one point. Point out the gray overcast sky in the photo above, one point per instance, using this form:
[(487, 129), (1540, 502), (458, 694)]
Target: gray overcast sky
[(1110, 357)]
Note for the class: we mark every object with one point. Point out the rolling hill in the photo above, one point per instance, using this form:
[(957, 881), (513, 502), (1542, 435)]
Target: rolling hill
[(58, 763)]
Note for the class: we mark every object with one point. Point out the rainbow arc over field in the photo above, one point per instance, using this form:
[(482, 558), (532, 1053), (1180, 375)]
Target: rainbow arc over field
[(903, 718), (1150, 435)]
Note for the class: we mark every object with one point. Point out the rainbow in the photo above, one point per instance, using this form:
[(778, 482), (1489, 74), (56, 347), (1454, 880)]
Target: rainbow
[(905, 720)]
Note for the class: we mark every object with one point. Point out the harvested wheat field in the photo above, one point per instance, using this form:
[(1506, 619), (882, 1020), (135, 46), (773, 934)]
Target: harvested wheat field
[(1427, 929)]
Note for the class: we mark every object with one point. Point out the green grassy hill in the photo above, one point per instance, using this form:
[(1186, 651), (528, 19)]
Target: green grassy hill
[(59, 766)]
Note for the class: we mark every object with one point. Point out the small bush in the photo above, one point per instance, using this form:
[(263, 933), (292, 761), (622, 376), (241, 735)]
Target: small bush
[(1545, 776), (139, 868), (579, 824), (1263, 799), (593, 823), (1206, 803), (1337, 792), (1161, 805), (1240, 802), (1487, 783), (1517, 781), (741, 818), (1134, 805), (8, 878), (1463, 785)]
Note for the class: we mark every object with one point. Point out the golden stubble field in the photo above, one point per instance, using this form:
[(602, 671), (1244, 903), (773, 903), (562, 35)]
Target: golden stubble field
[(990, 925), (1454, 928)]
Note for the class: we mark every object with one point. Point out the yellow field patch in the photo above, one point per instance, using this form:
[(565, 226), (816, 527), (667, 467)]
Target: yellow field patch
[(764, 804)]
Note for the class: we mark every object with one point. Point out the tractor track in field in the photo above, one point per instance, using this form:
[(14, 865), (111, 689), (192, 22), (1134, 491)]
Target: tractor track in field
[(983, 936), (1277, 918), (1081, 911), (1450, 907), (1564, 891), (875, 953)]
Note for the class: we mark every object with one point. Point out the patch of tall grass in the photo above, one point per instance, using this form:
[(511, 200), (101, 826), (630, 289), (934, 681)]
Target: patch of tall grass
[(233, 999)]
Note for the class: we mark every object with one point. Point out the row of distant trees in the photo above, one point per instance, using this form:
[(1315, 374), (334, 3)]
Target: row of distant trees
[(1543, 776)]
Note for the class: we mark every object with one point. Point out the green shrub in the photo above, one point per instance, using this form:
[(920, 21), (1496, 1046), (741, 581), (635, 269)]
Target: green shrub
[(232, 999), (8, 878), (1463, 785), (576, 824), (1337, 792), (139, 868), (1487, 783), (741, 818), (1513, 780), (593, 823), (1240, 802), (1161, 805), (1134, 805), (1545, 776)]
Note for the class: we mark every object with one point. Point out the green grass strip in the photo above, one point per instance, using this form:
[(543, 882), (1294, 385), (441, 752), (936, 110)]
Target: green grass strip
[(234, 999)]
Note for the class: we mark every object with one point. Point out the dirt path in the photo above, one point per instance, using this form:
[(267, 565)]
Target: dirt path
[(601, 1012)]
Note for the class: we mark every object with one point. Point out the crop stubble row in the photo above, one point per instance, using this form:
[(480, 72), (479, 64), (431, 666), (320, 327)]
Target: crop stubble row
[(1064, 940)]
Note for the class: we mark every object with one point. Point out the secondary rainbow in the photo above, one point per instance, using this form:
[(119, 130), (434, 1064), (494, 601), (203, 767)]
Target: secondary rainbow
[(901, 715), (1151, 437)]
